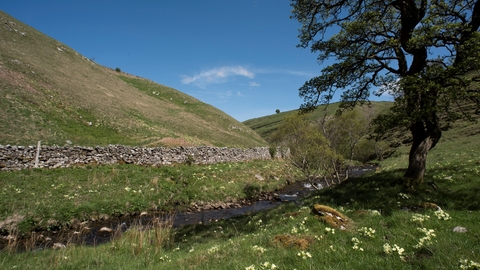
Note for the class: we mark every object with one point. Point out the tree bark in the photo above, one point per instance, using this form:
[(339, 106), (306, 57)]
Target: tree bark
[(425, 137)]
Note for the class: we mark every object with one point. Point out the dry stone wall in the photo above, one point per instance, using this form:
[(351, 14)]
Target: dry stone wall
[(20, 157)]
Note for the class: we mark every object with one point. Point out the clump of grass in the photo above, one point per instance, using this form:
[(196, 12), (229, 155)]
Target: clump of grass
[(153, 237)]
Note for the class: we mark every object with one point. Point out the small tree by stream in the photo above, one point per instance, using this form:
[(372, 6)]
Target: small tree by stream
[(310, 151)]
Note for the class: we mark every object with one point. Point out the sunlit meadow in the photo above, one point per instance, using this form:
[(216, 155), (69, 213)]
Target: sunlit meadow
[(434, 227)]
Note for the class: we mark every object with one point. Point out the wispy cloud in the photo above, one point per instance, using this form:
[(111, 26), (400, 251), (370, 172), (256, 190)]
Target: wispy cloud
[(253, 84), (217, 75)]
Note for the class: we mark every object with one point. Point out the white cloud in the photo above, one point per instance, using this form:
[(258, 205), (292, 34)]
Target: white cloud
[(239, 94), (217, 75), (254, 84)]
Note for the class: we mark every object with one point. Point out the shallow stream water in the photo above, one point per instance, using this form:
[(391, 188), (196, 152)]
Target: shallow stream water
[(94, 235)]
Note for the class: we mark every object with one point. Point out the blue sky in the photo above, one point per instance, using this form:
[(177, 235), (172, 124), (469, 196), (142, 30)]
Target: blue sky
[(237, 55)]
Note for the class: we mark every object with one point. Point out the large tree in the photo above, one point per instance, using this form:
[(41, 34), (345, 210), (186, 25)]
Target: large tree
[(428, 50)]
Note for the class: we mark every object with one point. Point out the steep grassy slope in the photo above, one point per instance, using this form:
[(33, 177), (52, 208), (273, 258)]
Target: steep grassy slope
[(51, 93), (267, 125)]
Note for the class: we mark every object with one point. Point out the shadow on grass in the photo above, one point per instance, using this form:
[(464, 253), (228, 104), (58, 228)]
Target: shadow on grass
[(382, 191)]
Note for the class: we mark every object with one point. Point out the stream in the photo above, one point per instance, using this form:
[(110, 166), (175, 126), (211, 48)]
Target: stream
[(98, 232)]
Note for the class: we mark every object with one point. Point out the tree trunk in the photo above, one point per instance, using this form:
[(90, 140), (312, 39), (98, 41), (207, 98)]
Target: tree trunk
[(425, 137)]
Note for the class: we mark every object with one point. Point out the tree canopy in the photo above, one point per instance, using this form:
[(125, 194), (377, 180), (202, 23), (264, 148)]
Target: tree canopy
[(425, 53)]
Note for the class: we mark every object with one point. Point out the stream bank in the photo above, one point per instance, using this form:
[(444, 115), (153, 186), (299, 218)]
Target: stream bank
[(95, 232)]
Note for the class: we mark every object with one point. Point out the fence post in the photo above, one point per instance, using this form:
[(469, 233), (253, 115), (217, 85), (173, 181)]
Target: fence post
[(38, 155)]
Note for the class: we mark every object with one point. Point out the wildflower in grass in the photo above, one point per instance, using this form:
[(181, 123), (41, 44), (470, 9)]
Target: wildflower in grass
[(374, 213), (165, 258), (332, 248), (387, 248), (304, 255), (420, 218), (213, 249), (442, 215), (404, 196), (427, 239), (303, 228), (356, 244), (263, 266), (259, 249), (469, 265), (267, 265), (330, 230), (128, 189), (294, 230), (367, 232), (395, 249)]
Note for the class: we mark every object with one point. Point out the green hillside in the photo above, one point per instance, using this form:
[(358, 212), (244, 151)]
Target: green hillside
[(53, 94), (267, 125)]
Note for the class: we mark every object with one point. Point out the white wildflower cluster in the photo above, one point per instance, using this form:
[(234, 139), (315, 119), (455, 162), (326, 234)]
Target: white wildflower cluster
[(404, 196), (469, 265), (356, 244), (374, 213), (330, 230), (165, 258), (301, 228), (267, 265), (427, 239), (442, 215), (263, 266), (259, 249), (70, 197), (304, 255), (394, 249), (127, 189), (369, 232), (420, 218), (213, 249)]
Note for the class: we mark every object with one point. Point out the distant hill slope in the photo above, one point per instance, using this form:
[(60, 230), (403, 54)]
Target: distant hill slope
[(267, 125), (51, 93)]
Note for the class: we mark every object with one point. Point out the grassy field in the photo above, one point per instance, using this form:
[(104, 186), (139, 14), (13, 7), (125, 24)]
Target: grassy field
[(42, 198), (389, 228)]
